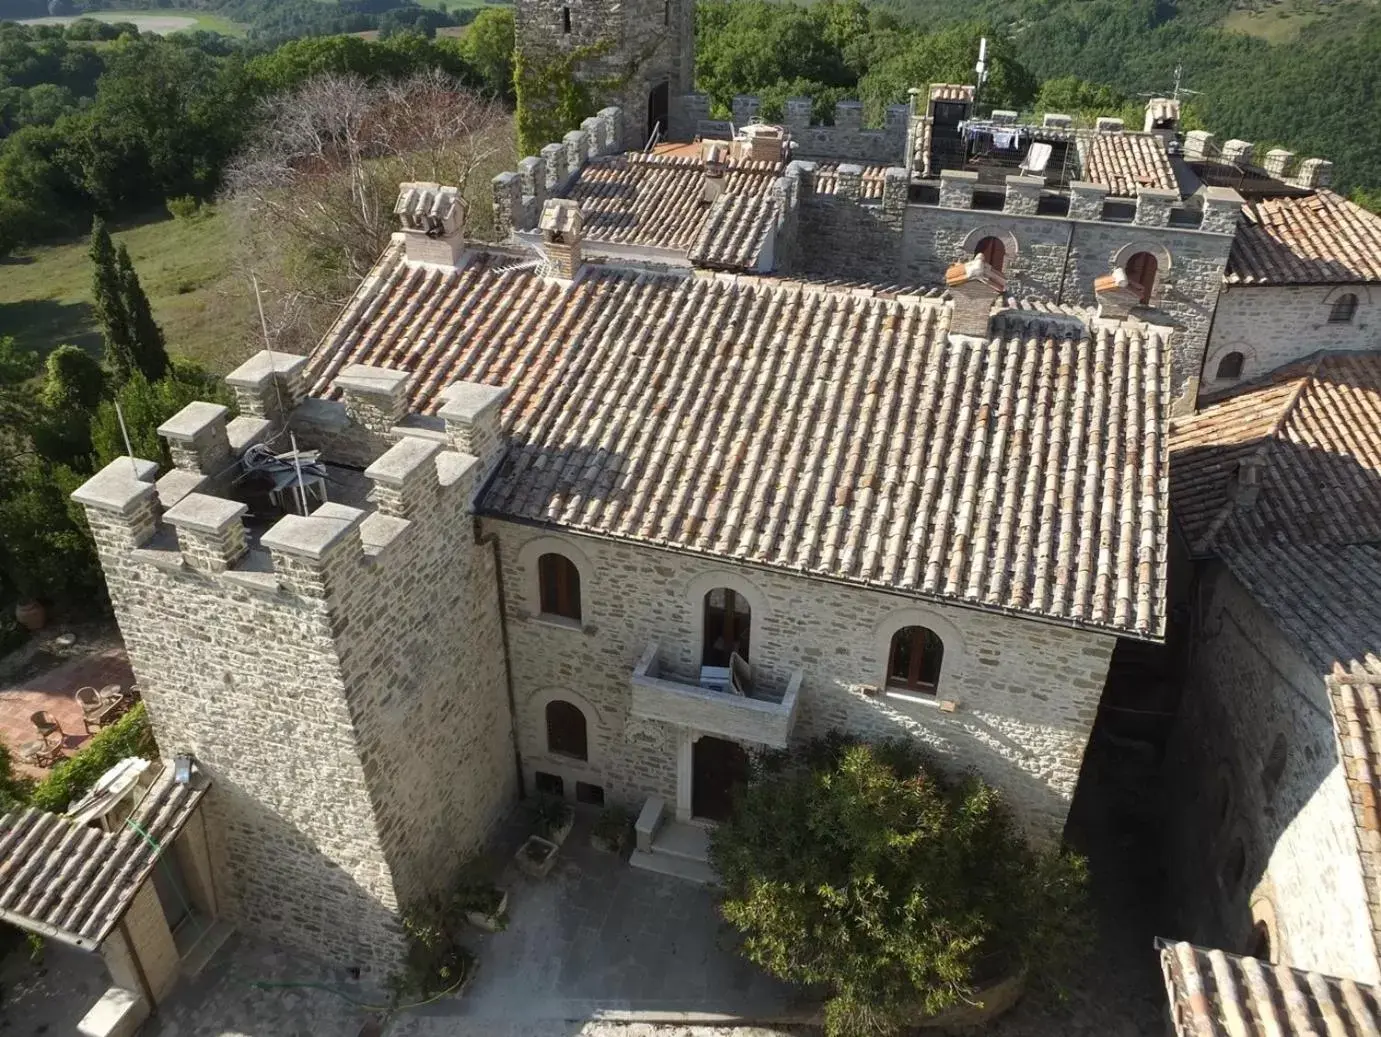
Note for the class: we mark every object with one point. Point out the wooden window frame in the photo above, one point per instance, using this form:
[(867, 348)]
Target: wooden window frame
[(913, 680), (558, 586)]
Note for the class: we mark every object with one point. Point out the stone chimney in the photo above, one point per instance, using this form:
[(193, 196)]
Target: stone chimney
[(562, 229), (433, 219), (1238, 152), (1117, 295), (713, 154), (1162, 117), (1315, 173), (973, 286), (761, 143)]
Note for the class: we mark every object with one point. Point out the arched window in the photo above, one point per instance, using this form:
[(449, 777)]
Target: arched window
[(1231, 366), (728, 620), (1141, 269), (914, 660), (559, 580), (566, 730), (1344, 309), (993, 250)]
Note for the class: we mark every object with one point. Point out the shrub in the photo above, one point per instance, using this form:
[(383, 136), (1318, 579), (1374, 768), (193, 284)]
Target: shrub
[(187, 208), (14, 790), (549, 814), (613, 827), (437, 962), (146, 405), (859, 870), (71, 779)]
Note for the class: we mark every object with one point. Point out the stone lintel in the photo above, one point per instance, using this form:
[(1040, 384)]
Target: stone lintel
[(314, 535), (402, 461), (177, 484), (202, 513), (372, 381), (467, 402), (193, 420), (256, 372), (118, 487)]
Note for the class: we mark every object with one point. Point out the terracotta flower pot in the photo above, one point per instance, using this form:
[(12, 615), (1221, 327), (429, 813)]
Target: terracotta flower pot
[(30, 615)]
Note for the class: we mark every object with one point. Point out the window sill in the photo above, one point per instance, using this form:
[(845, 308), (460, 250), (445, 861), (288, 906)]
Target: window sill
[(563, 622)]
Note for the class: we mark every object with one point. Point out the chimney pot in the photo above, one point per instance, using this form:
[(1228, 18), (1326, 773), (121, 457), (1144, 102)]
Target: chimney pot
[(563, 230), (433, 219), (973, 286), (1117, 295)]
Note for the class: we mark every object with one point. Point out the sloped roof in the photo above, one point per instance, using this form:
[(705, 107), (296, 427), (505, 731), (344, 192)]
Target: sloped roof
[(823, 431), (74, 881), (1320, 238), (734, 232), (1216, 994), (1313, 432), (1122, 162)]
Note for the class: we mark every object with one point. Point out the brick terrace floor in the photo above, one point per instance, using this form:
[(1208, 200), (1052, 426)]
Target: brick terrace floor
[(53, 690)]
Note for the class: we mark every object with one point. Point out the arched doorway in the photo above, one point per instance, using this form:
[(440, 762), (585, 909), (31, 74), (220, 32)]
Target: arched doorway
[(717, 768), (1141, 270), (994, 250), (658, 108), (728, 620)]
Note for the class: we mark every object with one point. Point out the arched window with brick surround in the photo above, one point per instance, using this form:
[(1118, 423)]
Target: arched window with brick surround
[(566, 733), (559, 583), (914, 659), (1141, 268), (993, 250), (1230, 367)]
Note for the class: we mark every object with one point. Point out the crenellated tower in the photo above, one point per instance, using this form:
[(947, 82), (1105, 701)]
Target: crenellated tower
[(640, 53)]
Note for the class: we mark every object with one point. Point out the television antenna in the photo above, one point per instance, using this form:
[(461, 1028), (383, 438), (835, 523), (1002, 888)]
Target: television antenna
[(1179, 89)]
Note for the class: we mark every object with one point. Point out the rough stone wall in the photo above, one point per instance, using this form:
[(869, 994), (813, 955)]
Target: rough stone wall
[(1273, 325), (846, 140), (1246, 686), (1027, 691), (644, 43)]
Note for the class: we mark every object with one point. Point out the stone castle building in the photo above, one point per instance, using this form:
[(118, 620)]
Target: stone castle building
[(725, 445)]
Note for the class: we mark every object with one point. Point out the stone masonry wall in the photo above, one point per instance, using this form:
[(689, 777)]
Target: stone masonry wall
[(1302, 874), (1273, 325), (1027, 692)]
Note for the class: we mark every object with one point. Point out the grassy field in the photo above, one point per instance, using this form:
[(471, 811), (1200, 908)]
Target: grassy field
[(1281, 21), (45, 293), (160, 21)]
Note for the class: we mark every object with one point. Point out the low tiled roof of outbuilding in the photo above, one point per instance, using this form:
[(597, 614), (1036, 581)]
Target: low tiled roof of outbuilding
[(1216, 994), (657, 200), (734, 232), (1321, 238), (75, 881), (1122, 162), (1311, 431), (822, 431)]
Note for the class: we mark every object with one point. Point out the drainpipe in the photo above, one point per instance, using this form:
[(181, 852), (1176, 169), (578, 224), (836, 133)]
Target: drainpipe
[(491, 540)]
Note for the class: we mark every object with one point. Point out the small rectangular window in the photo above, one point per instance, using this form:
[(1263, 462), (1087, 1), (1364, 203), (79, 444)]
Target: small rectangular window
[(550, 784), (565, 19), (666, 12), (590, 794)]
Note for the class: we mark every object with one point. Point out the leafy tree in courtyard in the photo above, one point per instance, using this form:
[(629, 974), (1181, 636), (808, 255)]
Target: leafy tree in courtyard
[(898, 891)]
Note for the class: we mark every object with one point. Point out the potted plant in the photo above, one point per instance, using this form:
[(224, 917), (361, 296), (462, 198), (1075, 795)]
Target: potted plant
[(613, 830), (483, 904), (536, 856), (552, 818)]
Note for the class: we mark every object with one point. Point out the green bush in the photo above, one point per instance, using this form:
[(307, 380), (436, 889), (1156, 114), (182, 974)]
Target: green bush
[(131, 735), (859, 871), (187, 208), (14, 790), (146, 405)]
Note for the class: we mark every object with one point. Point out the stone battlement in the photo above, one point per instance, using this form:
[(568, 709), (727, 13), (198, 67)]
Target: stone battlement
[(519, 196), (847, 139)]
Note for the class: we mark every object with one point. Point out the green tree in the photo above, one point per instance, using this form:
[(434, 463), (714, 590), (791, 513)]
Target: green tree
[(108, 300), (72, 387), (859, 870), (150, 351), (488, 46), (145, 406)]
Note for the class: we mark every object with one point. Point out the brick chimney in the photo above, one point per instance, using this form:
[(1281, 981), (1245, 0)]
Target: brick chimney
[(433, 219), (713, 153), (562, 229), (1117, 295), (761, 143), (973, 286)]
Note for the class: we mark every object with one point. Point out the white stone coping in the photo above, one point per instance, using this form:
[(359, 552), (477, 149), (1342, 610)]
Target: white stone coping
[(1223, 196), (202, 513), (468, 401), (118, 486), (255, 372), (194, 419), (244, 431), (400, 462), (452, 467), (372, 381), (177, 484), (1156, 194), (959, 174), (313, 535), (1087, 187), (1034, 182), (379, 531)]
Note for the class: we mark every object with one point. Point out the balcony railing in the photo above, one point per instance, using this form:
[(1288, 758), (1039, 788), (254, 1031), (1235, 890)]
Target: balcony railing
[(745, 718)]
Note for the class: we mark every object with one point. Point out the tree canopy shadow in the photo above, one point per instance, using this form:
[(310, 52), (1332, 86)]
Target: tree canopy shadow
[(42, 325)]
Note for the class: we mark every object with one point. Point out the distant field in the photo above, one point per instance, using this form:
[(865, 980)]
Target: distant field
[(45, 293), (1283, 20), (160, 22)]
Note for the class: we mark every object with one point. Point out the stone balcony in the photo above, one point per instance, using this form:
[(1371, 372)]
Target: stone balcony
[(760, 717)]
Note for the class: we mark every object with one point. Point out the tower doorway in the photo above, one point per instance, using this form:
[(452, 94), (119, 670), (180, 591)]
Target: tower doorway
[(658, 109), (717, 768)]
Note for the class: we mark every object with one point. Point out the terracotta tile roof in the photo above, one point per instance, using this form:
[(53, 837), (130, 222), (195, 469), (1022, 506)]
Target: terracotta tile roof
[(1317, 239), (733, 234), (1122, 162), (1216, 994), (1309, 434), (75, 881), (657, 200), (870, 188), (816, 430)]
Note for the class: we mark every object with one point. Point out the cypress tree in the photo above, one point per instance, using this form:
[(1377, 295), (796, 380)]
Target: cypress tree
[(109, 303), (150, 351)]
